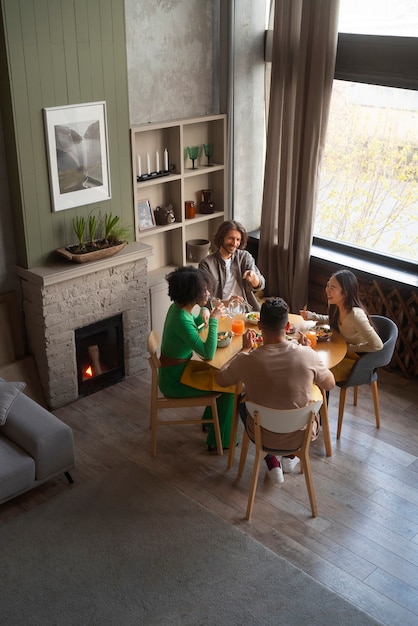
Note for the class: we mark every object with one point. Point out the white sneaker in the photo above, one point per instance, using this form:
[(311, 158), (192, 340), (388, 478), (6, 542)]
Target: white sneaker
[(277, 474), (289, 465)]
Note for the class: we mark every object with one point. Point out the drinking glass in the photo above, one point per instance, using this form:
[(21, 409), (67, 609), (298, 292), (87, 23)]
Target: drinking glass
[(238, 326), (208, 148), (193, 152), (311, 335)]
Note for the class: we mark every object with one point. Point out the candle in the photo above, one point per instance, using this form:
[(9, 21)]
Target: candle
[(139, 166), (166, 160), (148, 164), (157, 161)]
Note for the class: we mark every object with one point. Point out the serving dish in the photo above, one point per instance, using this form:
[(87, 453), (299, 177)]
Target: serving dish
[(253, 317), (323, 332), (224, 338)]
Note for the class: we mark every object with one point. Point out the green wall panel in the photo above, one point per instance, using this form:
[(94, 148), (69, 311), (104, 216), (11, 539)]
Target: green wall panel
[(62, 52)]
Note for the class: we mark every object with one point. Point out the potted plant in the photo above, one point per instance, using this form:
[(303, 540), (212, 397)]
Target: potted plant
[(96, 238)]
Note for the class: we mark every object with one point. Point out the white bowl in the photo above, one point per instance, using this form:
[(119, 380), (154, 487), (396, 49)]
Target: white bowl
[(253, 317), (226, 338)]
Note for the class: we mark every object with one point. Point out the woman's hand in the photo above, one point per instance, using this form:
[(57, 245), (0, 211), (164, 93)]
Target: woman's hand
[(205, 314), (304, 313), (219, 311)]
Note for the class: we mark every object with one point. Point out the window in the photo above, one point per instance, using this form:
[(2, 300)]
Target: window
[(368, 192)]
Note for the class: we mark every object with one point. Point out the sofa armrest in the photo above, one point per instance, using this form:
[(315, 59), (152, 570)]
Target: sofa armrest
[(47, 439)]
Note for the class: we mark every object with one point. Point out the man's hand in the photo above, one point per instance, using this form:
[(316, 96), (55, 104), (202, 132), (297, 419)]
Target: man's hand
[(251, 277), (303, 339), (248, 341)]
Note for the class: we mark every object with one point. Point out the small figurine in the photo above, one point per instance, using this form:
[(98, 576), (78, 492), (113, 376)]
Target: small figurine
[(164, 215)]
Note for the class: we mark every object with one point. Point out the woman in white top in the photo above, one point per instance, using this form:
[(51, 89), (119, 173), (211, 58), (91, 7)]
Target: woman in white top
[(348, 316)]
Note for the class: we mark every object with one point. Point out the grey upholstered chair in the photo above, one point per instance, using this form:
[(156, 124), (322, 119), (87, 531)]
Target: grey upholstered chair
[(364, 370)]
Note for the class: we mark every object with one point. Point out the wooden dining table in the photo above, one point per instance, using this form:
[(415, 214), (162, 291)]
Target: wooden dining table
[(331, 351)]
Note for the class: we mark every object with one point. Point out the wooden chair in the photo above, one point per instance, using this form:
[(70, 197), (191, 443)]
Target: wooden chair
[(364, 370), (279, 421), (158, 401)]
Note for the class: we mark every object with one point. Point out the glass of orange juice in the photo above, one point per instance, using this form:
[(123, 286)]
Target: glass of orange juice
[(311, 335), (238, 326)]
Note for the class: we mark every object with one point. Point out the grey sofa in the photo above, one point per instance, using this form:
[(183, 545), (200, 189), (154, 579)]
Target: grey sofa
[(35, 445)]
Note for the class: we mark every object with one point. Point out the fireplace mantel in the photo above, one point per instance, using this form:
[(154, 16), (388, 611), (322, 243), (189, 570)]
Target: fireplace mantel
[(59, 271)]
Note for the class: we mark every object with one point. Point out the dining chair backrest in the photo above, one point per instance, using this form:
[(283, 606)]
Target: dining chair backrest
[(283, 420), (364, 369)]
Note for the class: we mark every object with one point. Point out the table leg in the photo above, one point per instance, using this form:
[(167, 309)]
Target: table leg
[(234, 427), (325, 424)]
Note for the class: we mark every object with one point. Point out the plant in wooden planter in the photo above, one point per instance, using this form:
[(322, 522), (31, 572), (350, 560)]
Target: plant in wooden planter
[(96, 239)]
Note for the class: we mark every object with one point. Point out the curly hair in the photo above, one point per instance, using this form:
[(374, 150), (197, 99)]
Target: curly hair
[(224, 229), (188, 284), (349, 287), (274, 314)]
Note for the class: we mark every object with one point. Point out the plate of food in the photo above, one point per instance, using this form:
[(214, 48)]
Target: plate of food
[(323, 332), (258, 341), (253, 317), (291, 330), (224, 338)]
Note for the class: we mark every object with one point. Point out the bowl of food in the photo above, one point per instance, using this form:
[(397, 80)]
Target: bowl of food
[(258, 340), (224, 338), (253, 317), (323, 332)]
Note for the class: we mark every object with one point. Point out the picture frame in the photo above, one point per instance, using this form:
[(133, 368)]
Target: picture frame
[(77, 154), (144, 215)]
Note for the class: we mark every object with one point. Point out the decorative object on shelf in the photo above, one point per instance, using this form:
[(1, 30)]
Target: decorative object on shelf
[(208, 148), (77, 146), (113, 238), (158, 172), (190, 209), (164, 215), (144, 215), (207, 205), (197, 249), (193, 151)]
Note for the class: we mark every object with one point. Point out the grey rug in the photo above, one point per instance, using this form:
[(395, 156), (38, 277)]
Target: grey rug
[(126, 548)]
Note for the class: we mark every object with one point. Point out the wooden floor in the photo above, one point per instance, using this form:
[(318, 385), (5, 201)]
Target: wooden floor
[(363, 545)]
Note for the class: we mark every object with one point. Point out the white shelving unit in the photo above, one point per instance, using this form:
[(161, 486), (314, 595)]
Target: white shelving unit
[(181, 184)]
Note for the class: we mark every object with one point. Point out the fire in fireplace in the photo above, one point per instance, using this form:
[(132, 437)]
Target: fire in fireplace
[(99, 354)]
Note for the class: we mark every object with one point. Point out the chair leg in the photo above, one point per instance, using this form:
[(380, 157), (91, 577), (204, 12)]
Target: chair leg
[(343, 395), (355, 400), (306, 465), (243, 455), (376, 403), (254, 480), (234, 429), (217, 430)]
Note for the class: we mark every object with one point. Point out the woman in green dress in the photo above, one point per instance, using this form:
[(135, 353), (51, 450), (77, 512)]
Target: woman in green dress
[(188, 286)]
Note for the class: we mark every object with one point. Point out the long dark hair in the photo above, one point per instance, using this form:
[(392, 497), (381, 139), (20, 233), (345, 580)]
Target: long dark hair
[(349, 286)]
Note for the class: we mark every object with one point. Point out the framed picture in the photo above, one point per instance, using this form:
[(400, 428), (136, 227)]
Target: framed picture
[(77, 150), (144, 215)]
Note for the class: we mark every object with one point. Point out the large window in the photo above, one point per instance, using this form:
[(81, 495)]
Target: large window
[(368, 194)]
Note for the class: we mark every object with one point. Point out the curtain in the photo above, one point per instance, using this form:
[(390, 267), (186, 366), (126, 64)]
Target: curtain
[(304, 47)]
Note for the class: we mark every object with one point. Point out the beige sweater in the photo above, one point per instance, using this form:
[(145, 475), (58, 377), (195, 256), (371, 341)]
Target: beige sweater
[(356, 330)]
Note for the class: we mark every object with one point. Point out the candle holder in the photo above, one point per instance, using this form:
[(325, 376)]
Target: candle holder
[(144, 177)]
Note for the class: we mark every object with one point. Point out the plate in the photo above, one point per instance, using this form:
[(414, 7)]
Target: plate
[(253, 317), (323, 333), (291, 330)]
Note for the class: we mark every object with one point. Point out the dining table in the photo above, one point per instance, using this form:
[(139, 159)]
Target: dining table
[(332, 351)]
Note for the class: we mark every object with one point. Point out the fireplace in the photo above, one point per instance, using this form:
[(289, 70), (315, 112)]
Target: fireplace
[(99, 355), (60, 299)]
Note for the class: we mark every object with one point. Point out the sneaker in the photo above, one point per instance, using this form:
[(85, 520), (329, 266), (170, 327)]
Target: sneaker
[(289, 464), (275, 467)]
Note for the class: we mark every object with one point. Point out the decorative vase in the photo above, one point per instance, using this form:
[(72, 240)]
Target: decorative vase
[(97, 255), (207, 205)]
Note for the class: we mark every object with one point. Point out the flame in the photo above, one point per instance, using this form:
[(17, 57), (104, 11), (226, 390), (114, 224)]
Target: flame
[(89, 372)]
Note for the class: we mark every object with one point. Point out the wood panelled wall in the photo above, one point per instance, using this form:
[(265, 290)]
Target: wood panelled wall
[(381, 297), (55, 54)]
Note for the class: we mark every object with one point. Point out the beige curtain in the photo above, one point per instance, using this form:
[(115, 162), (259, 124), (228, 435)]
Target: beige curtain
[(304, 47)]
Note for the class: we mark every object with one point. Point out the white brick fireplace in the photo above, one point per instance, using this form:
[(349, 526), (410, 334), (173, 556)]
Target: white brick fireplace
[(59, 298)]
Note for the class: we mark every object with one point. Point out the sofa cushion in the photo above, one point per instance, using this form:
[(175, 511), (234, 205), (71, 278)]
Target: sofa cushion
[(41, 435), (8, 394), (17, 469)]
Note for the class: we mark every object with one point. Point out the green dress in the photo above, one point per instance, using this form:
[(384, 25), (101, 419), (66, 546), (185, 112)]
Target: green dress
[(180, 339)]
